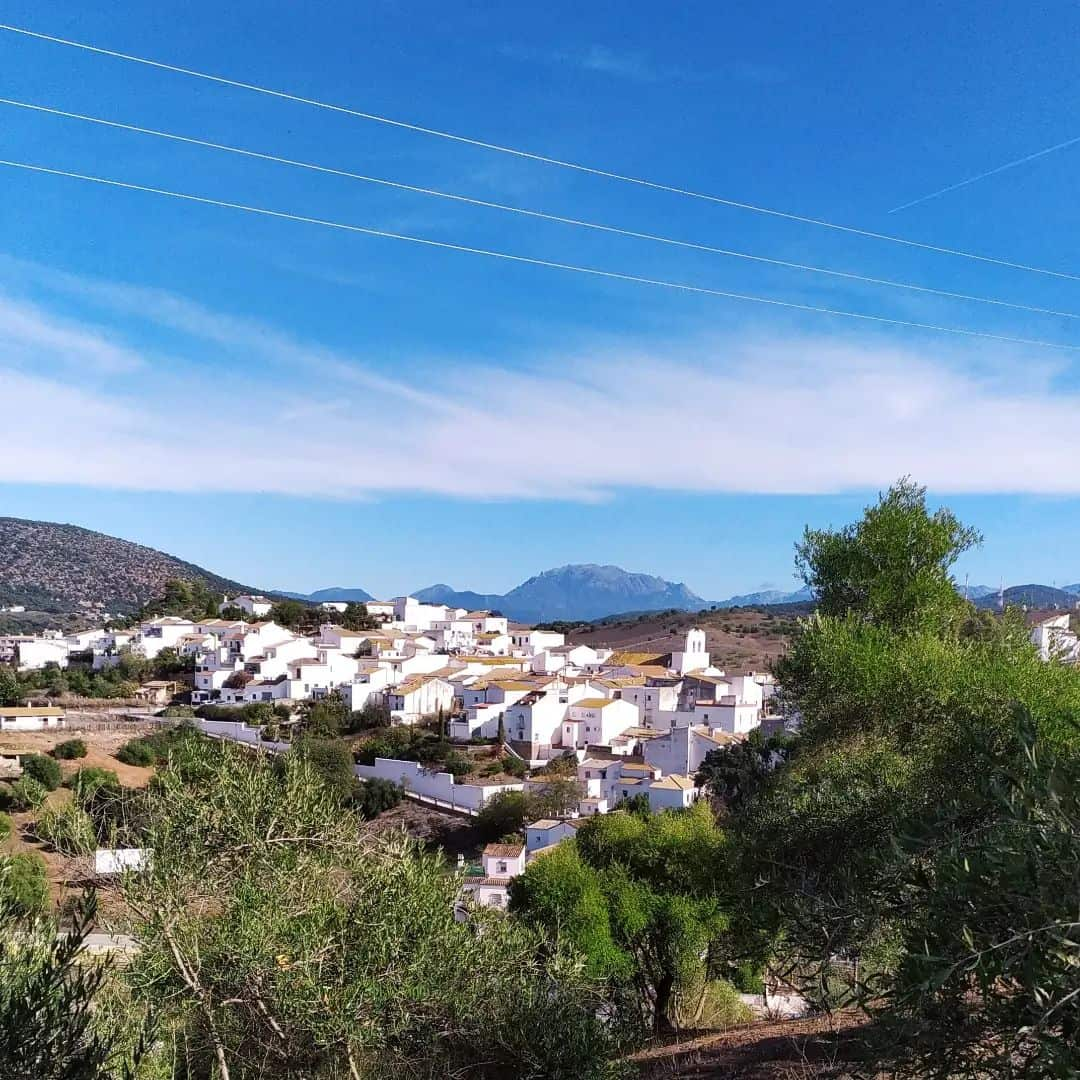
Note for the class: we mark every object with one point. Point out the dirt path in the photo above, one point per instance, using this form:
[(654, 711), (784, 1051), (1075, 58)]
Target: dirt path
[(819, 1046)]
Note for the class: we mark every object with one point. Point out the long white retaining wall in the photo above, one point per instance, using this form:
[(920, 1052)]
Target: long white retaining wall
[(438, 788), (237, 731)]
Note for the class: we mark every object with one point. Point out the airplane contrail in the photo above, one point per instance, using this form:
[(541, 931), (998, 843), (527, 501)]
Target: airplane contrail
[(990, 172)]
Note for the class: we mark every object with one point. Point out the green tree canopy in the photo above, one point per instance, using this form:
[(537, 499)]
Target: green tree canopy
[(891, 568)]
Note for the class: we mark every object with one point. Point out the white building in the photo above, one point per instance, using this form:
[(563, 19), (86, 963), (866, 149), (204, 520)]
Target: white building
[(547, 832), (682, 750), (1051, 635), (419, 696), (501, 863), (255, 606), (693, 657), (34, 653), (30, 718), (596, 721)]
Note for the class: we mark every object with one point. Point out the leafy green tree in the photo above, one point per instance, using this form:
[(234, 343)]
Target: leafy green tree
[(43, 769), (892, 567), (656, 877), (559, 795), (49, 997), (735, 774), (272, 943), (332, 763), (505, 813), (10, 688), (326, 718), (988, 982), (376, 796)]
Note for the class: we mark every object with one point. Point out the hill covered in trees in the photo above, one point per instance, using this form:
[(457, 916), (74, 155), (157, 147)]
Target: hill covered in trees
[(49, 567)]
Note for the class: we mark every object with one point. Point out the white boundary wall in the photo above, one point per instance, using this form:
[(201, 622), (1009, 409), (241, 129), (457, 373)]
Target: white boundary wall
[(437, 788)]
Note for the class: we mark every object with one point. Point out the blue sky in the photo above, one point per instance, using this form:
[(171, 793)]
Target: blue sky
[(297, 406)]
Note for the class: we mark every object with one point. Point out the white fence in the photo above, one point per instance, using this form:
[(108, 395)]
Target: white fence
[(437, 788), (238, 731)]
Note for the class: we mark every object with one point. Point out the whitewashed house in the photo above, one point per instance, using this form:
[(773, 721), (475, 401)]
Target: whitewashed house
[(419, 696), (31, 718), (596, 721), (255, 606), (501, 864), (1051, 635)]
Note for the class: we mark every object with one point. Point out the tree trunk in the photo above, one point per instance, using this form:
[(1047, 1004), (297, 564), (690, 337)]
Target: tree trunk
[(664, 989)]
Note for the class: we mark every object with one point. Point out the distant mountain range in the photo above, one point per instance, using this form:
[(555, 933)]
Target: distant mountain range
[(580, 592), (65, 569), (1032, 596)]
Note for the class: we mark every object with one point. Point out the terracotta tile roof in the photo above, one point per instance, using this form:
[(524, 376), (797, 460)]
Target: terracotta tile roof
[(503, 851)]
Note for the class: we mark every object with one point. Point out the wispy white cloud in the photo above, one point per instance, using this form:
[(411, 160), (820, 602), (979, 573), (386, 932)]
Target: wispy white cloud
[(29, 332), (753, 413)]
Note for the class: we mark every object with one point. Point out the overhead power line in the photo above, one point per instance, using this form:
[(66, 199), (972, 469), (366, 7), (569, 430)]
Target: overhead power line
[(531, 261), (530, 156), (989, 172), (540, 214)]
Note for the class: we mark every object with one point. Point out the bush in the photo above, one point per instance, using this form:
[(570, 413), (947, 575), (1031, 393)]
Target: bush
[(24, 883), (504, 813), (69, 749), (69, 829), (514, 766), (27, 793), (6, 826), (332, 762), (154, 749), (376, 796), (43, 769), (711, 1004), (85, 783), (7, 799), (136, 752)]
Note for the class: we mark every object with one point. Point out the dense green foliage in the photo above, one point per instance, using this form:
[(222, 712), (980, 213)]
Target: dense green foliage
[(49, 993), (69, 749), (154, 749), (635, 894), (67, 828), (43, 769), (376, 796), (24, 883), (272, 943), (923, 825)]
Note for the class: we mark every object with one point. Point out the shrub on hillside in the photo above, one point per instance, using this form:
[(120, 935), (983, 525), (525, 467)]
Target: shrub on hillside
[(67, 828), (154, 749), (24, 883), (6, 826), (27, 794), (86, 782), (376, 796), (69, 749), (136, 752), (43, 769)]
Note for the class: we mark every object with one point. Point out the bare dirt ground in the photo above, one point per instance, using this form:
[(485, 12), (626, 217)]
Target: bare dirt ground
[(65, 871), (739, 639), (819, 1046)]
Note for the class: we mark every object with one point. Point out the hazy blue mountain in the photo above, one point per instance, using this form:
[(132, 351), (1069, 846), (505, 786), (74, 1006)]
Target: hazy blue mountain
[(1031, 596), (765, 596), (588, 591), (338, 592), (472, 601), (1074, 589), (977, 592)]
